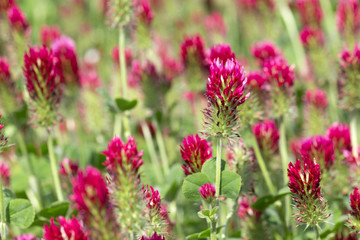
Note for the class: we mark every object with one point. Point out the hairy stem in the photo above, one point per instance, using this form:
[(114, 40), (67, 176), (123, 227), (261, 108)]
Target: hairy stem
[(54, 169), (218, 166)]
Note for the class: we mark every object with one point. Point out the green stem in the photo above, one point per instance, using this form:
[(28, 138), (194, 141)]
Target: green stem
[(2, 208), (317, 234), (117, 125), (353, 135), (218, 166), (291, 28), (162, 148), (285, 162), (123, 79), (263, 168), (151, 149), (54, 170)]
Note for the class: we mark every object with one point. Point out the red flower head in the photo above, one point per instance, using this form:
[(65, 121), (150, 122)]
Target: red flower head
[(207, 192), (89, 79), (153, 237), (4, 71), (348, 16), (121, 156), (89, 190), (42, 80), (310, 12), (311, 37), (192, 49), (5, 174), (319, 147), (278, 70), (354, 217), (135, 73), (339, 133), (152, 199), (116, 59), (68, 229), (68, 167), (222, 52), (215, 23), (225, 93), (350, 60), (143, 11), (256, 80), (65, 52), (195, 152), (17, 19), (267, 135), (264, 51), (316, 98), (28, 236), (245, 210), (48, 34)]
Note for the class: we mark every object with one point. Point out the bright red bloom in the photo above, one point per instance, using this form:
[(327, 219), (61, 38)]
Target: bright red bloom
[(311, 37), (350, 60), (245, 210), (17, 19), (192, 49), (207, 192), (348, 16), (28, 236), (256, 80), (120, 154), (153, 237), (215, 22), (143, 11), (222, 52), (264, 51), (116, 59), (339, 133), (65, 52), (319, 147), (4, 71), (195, 152), (304, 179), (89, 187), (68, 229), (135, 73), (48, 34), (310, 12), (5, 174), (277, 69), (152, 198), (68, 167), (41, 73), (355, 203), (316, 98), (267, 134)]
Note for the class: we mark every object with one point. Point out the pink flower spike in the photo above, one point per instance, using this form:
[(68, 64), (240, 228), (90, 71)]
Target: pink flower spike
[(278, 70), (192, 49), (48, 34), (339, 133), (207, 192), (316, 98), (222, 52), (267, 135), (17, 19), (152, 198), (155, 236), (310, 12), (264, 51), (68, 229)]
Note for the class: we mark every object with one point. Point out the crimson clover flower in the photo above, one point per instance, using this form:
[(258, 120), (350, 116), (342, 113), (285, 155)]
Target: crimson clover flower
[(142, 9), (4, 71), (207, 192), (214, 23), (354, 217), (316, 98), (152, 199), (67, 229), (42, 78), (311, 37), (65, 52), (48, 34), (222, 52), (193, 51), (348, 17), (304, 183), (267, 136), (225, 93), (256, 80), (310, 12), (319, 147), (245, 210), (195, 152), (155, 236), (68, 167), (264, 51), (17, 19), (27, 236), (339, 133), (5, 174), (315, 111)]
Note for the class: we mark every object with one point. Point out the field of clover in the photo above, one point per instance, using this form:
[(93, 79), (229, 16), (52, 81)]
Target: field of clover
[(179, 119)]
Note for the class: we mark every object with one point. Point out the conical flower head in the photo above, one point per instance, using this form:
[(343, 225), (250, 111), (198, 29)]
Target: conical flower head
[(304, 183), (316, 98), (192, 50), (222, 52), (4, 71), (319, 147), (277, 70), (354, 217), (267, 135), (195, 152), (207, 192), (48, 34), (310, 12), (264, 51), (67, 229), (143, 11), (225, 93), (123, 157), (348, 16), (152, 199), (17, 19), (339, 133), (42, 80), (311, 37), (89, 191), (155, 236)]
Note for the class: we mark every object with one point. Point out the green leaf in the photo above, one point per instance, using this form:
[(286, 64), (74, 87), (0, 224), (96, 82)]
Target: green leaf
[(20, 213), (204, 234), (54, 210), (192, 184), (230, 184), (264, 202), (7, 196), (205, 213), (124, 105), (173, 182), (109, 102), (209, 168)]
